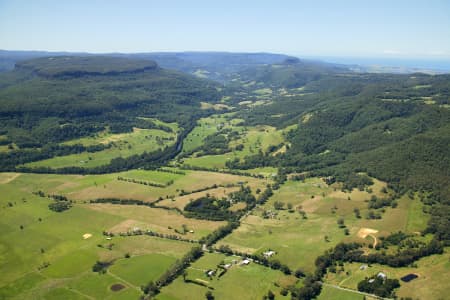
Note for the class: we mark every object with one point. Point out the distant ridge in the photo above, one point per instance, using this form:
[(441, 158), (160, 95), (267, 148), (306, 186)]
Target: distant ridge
[(75, 66)]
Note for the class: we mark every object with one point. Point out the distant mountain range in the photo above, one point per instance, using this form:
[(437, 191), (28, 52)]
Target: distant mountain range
[(216, 65)]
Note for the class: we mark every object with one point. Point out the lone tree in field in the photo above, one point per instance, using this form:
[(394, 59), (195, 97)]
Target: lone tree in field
[(278, 205), (289, 206)]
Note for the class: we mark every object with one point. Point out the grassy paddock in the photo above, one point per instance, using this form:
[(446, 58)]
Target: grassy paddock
[(155, 219), (329, 293), (433, 272), (253, 139), (139, 270), (181, 201), (253, 281), (83, 188), (33, 235), (299, 241), (123, 145)]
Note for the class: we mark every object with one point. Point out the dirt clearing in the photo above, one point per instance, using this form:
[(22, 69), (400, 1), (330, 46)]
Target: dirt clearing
[(364, 232)]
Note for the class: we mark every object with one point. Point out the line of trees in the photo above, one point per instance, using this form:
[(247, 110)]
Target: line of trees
[(60, 204), (217, 170), (144, 182), (152, 288), (219, 233)]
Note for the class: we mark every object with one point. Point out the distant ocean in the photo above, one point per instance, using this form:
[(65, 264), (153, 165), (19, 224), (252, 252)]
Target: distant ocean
[(438, 65)]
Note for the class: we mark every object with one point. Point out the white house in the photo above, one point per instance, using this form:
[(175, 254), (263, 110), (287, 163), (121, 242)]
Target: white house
[(269, 253)]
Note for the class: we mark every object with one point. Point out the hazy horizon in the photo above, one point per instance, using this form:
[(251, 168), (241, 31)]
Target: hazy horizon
[(385, 29)]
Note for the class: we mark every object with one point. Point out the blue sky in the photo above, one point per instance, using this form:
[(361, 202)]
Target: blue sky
[(313, 28)]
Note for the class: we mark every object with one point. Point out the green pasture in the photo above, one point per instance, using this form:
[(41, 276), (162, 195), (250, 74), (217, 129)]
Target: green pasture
[(44, 255), (205, 127), (299, 241), (329, 293), (253, 281), (123, 145), (433, 272), (84, 188), (140, 270), (254, 139)]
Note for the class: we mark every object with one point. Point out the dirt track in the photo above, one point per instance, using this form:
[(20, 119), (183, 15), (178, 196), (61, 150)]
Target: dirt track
[(364, 232)]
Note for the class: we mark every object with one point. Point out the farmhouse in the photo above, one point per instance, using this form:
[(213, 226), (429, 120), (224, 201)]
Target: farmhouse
[(245, 261), (269, 253), (382, 275)]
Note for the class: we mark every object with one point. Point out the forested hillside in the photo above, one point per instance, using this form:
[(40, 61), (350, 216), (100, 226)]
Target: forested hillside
[(47, 101), (384, 125)]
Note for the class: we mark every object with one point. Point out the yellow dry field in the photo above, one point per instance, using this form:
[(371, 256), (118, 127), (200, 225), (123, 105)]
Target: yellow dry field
[(181, 201), (8, 177), (155, 219), (238, 206), (107, 186)]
